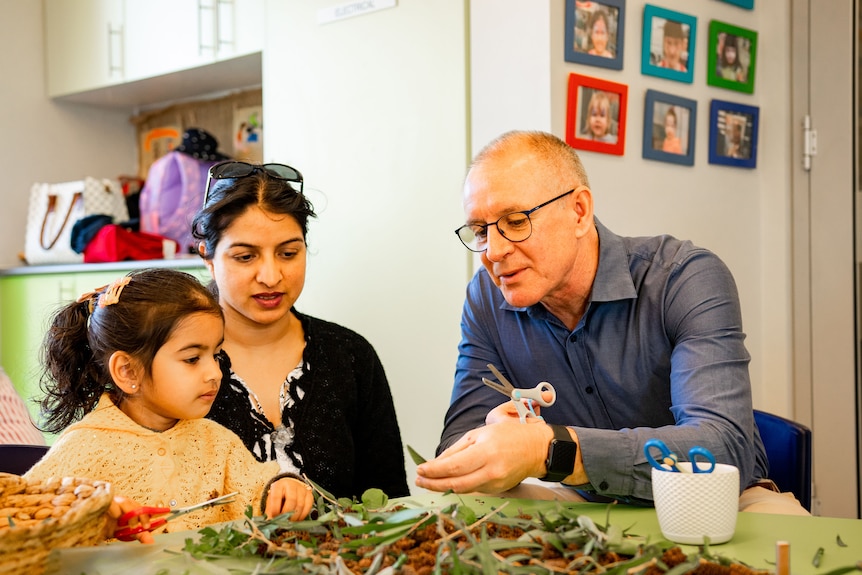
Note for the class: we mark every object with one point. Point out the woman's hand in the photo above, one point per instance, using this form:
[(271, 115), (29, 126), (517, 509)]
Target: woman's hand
[(288, 494), (121, 505)]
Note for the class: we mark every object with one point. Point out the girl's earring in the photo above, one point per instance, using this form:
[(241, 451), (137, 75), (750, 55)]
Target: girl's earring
[(134, 386)]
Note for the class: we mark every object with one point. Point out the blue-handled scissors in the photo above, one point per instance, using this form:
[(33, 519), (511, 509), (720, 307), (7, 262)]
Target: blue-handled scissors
[(669, 459), (518, 395)]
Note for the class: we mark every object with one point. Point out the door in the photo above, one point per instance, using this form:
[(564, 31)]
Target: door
[(825, 261)]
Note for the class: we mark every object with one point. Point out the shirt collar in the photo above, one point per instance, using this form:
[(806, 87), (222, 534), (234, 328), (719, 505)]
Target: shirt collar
[(613, 279), (613, 276)]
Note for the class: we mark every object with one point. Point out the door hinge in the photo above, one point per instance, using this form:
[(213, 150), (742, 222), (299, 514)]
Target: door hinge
[(809, 143)]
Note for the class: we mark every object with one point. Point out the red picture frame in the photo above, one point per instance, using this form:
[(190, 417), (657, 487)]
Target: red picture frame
[(596, 115)]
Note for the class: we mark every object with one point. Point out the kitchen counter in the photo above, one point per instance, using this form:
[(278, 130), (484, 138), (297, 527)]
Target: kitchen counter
[(124, 266)]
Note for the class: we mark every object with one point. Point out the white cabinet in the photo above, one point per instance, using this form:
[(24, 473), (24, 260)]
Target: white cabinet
[(83, 44), (164, 36), (93, 44)]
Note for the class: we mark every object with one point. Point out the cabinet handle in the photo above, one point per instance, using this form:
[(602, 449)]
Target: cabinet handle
[(227, 23), (116, 35), (213, 9)]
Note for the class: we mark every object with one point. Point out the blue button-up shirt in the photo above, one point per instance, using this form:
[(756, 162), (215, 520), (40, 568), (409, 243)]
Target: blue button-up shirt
[(659, 352)]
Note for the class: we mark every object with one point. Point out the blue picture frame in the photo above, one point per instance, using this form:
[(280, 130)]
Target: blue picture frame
[(733, 130), (682, 28), (577, 36), (656, 144), (747, 4)]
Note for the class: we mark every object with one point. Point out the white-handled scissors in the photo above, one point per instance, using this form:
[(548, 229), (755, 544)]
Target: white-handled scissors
[(521, 397)]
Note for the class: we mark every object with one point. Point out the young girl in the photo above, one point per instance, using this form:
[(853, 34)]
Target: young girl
[(599, 34), (671, 143), (729, 66), (598, 121), (136, 362)]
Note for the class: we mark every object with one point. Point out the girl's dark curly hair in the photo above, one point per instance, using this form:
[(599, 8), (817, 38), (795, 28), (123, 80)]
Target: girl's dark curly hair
[(83, 335)]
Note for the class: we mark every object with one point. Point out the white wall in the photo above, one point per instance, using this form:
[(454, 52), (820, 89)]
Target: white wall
[(372, 110), (742, 215), (45, 141)]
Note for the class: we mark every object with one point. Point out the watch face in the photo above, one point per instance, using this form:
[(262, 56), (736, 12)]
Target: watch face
[(563, 457)]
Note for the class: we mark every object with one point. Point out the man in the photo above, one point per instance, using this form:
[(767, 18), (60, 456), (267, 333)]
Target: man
[(641, 338)]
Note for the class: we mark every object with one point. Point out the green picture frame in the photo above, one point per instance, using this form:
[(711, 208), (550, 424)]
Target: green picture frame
[(731, 57)]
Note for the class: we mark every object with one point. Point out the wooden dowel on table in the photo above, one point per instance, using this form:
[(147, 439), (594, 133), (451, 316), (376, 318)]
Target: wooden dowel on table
[(782, 558)]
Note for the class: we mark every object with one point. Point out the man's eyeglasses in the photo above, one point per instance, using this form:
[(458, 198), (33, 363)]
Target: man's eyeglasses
[(515, 227), (233, 169)]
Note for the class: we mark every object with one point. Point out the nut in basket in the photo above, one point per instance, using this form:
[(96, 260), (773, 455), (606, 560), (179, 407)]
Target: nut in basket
[(36, 517)]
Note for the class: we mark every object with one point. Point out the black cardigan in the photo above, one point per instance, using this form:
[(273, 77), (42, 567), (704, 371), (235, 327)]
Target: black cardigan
[(345, 426)]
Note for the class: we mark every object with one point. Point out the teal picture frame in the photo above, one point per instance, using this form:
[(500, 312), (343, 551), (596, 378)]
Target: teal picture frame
[(669, 41)]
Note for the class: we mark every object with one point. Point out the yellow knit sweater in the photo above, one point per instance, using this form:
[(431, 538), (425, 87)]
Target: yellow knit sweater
[(192, 462)]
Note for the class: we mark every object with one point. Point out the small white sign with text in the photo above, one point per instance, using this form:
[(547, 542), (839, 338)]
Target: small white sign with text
[(351, 9)]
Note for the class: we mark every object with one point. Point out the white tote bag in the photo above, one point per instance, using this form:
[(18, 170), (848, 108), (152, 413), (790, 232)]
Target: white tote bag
[(54, 209)]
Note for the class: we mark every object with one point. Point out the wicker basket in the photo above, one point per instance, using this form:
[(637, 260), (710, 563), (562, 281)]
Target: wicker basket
[(37, 517)]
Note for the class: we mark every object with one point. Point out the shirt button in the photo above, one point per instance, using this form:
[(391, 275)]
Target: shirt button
[(173, 503), (603, 485), (589, 390), (162, 451), (573, 338)]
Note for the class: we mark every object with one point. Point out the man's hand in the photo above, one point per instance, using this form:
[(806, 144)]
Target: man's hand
[(507, 410), (490, 459)]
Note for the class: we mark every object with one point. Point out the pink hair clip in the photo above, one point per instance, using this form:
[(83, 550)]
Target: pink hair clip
[(113, 291), (89, 296)]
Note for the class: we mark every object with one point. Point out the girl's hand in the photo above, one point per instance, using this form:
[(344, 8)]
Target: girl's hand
[(288, 494), (118, 507)]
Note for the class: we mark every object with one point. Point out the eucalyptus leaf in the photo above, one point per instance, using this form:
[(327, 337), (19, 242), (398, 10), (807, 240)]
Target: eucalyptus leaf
[(417, 459)]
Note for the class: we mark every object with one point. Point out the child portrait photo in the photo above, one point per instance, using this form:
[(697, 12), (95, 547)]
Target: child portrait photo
[(732, 57), (596, 114), (668, 47), (595, 32), (669, 128), (733, 134)]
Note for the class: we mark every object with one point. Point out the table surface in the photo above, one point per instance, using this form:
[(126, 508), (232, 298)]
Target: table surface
[(754, 541)]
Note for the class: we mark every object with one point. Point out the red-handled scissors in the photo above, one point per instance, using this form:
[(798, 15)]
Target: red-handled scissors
[(126, 533)]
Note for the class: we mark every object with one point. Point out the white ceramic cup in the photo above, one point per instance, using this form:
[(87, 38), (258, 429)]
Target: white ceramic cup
[(694, 506)]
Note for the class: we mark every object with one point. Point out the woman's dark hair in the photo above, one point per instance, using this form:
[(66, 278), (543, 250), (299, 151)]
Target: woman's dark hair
[(83, 335), (230, 198)]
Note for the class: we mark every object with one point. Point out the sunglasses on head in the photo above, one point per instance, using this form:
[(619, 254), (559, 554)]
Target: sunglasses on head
[(232, 169)]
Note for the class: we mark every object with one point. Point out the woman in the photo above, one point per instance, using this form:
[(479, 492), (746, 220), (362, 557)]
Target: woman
[(308, 393)]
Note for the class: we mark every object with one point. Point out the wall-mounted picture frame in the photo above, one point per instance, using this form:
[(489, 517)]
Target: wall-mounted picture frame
[(595, 32), (733, 131), (669, 128), (669, 39), (732, 57), (749, 4), (596, 115)]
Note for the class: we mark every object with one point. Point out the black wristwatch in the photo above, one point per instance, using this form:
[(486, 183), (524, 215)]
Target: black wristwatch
[(561, 455)]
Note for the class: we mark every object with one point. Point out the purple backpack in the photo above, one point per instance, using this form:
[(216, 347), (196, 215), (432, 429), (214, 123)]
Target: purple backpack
[(172, 195)]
